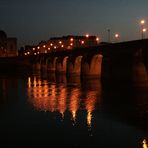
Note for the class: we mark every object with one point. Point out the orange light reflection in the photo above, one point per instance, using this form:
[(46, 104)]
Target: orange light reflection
[(144, 144), (90, 106), (62, 101), (74, 103)]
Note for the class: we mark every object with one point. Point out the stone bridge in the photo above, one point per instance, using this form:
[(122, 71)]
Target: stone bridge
[(125, 60)]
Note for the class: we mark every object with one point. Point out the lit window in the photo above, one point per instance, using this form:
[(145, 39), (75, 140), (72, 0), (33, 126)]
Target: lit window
[(87, 35), (82, 42), (97, 39), (71, 39)]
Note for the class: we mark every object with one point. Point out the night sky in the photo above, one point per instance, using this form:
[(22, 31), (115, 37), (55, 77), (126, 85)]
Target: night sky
[(34, 20)]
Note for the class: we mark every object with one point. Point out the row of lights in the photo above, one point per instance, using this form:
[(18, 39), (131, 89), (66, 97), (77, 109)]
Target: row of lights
[(55, 47), (142, 30)]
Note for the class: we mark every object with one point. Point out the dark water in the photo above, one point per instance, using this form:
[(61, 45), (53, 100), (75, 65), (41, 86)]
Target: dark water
[(44, 110)]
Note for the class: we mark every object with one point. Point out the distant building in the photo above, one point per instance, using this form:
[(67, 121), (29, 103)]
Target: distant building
[(69, 42), (8, 46)]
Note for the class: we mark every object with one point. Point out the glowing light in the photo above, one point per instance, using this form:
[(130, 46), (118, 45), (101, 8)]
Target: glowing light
[(51, 44), (55, 47), (44, 46), (38, 47), (82, 42), (34, 82), (90, 106), (34, 53), (87, 35), (28, 52), (89, 118), (45, 51), (60, 42), (74, 116), (144, 144), (71, 39), (71, 44), (116, 35), (142, 22), (33, 48), (48, 48), (62, 100), (62, 46), (38, 52), (144, 30), (74, 103), (97, 39), (29, 82), (25, 53)]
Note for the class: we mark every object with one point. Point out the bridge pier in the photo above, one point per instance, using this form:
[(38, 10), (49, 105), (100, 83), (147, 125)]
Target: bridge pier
[(114, 62), (139, 69), (125, 67), (74, 66), (92, 69), (44, 67), (38, 66)]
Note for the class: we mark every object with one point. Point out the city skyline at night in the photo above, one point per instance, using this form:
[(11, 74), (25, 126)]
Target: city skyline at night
[(33, 21)]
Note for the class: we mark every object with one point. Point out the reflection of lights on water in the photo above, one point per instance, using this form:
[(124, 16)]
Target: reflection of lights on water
[(90, 106), (39, 82), (45, 97), (29, 82), (89, 118), (62, 101), (74, 103), (74, 116), (144, 144), (34, 82)]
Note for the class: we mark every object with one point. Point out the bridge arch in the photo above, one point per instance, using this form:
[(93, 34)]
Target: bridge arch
[(39, 63), (74, 67), (61, 65), (65, 63), (51, 64), (96, 64), (93, 67)]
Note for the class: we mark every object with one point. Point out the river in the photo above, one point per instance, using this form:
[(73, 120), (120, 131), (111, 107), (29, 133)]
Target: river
[(42, 110)]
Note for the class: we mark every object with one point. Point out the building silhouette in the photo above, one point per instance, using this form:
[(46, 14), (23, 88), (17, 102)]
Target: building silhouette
[(8, 45), (61, 43)]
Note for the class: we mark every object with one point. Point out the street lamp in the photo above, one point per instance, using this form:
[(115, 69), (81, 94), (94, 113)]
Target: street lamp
[(143, 31), (108, 31), (116, 36), (142, 22), (87, 35)]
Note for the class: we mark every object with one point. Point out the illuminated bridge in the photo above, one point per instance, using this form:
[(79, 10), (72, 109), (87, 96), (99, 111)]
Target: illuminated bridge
[(111, 60)]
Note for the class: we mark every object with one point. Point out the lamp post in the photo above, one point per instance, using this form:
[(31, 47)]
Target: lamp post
[(108, 31), (116, 36), (142, 22)]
